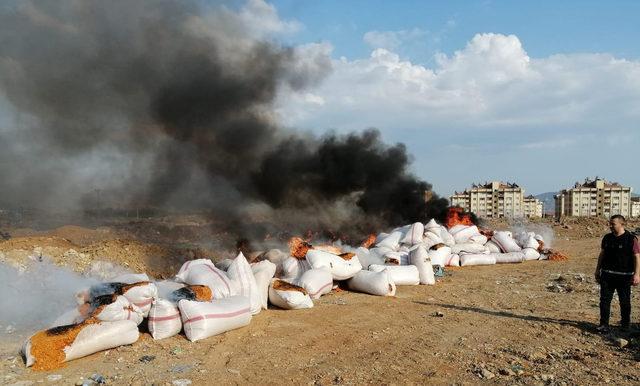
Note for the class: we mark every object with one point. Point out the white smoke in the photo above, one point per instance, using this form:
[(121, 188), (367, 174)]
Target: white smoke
[(523, 225), (34, 297)]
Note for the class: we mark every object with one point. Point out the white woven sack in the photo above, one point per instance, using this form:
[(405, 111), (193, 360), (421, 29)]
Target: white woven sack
[(434, 237), (492, 247), (289, 299), (439, 256), (317, 282), (340, 268), (396, 258), (469, 247), (142, 296), (507, 258), (372, 283), (400, 274), (204, 272), (292, 267), (164, 319), (453, 260), (479, 239), (531, 254), (420, 258), (465, 234), (204, 319), (457, 228), (477, 259), (263, 271), (368, 257), (432, 224), (93, 338), (506, 243), (240, 272), (414, 235), (391, 241), (381, 236), (447, 237), (120, 309)]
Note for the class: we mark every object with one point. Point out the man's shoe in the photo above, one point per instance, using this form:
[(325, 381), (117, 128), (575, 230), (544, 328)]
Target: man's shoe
[(603, 329)]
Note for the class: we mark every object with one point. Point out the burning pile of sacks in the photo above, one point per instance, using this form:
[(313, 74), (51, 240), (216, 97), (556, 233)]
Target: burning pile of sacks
[(207, 299), (460, 245)]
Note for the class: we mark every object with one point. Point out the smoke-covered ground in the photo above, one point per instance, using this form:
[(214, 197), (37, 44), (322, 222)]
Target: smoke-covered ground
[(169, 105), (35, 296)]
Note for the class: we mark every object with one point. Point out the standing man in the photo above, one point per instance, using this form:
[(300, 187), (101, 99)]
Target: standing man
[(617, 270)]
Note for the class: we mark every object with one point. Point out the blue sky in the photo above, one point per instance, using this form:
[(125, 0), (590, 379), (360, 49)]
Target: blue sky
[(540, 93), (547, 27)]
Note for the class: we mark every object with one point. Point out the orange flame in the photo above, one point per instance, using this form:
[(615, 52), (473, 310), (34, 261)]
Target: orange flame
[(369, 241), (457, 215)]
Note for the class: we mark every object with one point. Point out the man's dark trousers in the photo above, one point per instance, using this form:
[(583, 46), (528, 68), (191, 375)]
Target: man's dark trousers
[(610, 283)]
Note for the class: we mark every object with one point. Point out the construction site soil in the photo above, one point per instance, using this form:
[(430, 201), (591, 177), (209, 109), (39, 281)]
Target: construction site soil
[(531, 323)]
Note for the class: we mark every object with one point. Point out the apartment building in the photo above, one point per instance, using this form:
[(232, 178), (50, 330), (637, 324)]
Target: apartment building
[(532, 207), (635, 207), (594, 198), (491, 200), (462, 200)]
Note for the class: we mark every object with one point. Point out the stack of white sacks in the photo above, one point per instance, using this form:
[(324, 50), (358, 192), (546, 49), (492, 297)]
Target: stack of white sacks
[(462, 245), (116, 321), (405, 256)]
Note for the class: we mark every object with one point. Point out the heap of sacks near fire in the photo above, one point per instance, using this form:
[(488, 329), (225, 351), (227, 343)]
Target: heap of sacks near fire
[(207, 299)]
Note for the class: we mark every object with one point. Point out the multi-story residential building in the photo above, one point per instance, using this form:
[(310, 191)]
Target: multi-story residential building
[(635, 207), (491, 200), (462, 200), (594, 198), (532, 207)]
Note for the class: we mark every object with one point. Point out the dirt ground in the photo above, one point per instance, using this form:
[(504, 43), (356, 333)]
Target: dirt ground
[(530, 323)]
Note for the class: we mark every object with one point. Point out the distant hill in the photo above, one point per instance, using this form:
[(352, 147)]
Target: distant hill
[(547, 199)]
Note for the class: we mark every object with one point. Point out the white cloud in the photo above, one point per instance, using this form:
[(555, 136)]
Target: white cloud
[(552, 143), (490, 83), (263, 19), (414, 42), (487, 60), (392, 40)]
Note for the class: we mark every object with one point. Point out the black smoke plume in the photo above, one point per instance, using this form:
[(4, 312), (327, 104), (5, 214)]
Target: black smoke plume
[(297, 171), (163, 103)]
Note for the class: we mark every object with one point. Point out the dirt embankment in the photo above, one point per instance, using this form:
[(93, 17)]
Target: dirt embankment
[(78, 248)]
